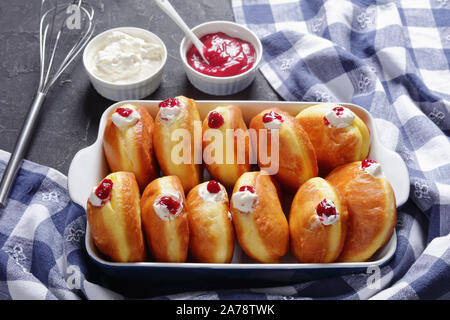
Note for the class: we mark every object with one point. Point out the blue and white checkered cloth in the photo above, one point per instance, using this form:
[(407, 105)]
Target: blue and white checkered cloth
[(391, 57), (42, 254)]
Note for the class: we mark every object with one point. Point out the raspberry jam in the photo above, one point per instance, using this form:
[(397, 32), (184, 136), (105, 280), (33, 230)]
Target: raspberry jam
[(103, 191), (271, 116), (247, 188), (213, 187), (339, 111), (124, 112), (367, 163), (227, 56), (325, 208), (171, 204), (170, 103), (215, 120)]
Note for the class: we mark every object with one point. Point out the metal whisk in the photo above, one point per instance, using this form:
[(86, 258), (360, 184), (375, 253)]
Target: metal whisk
[(65, 28)]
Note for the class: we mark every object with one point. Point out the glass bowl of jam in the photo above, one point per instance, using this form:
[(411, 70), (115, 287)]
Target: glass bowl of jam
[(233, 53)]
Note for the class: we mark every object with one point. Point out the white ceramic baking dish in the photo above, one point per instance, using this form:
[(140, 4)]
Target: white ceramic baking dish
[(89, 167)]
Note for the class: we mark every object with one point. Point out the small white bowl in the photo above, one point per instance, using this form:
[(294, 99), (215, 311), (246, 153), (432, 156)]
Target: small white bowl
[(220, 86), (130, 91)]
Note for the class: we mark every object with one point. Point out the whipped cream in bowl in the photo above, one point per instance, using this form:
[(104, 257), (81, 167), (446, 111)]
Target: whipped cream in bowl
[(125, 63), (125, 59)]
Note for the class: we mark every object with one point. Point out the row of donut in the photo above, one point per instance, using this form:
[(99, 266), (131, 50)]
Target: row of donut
[(347, 217), (320, 137)]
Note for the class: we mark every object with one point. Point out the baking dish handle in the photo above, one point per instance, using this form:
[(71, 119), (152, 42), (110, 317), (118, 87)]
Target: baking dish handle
[(85, 172), (396, 171)]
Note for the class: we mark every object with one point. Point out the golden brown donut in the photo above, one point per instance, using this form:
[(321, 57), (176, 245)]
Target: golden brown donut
[(261, 226), (165, 221), (296, 156), (224, 126), (317, 222), (338, 135), (371, 207), (128, 143), (177, 148), (114, 216), (211, 234)]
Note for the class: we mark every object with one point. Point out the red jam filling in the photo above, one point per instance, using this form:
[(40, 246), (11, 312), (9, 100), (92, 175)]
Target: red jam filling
[(271, 116), (227, 56), (124, 112), (325, 209), (339, 111), (213, 187), (103, 191), (171, 204), (215, 120), (170, 103), (367, 163), (247, 188)]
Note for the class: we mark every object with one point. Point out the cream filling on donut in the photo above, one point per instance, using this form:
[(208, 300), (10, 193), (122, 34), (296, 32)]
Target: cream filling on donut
[(169, 114), (125, 122), (162, 211), (328, 221), (374, 169), (340, 120), (273, 125), (331, 219), (94, 200), (244, 201), (210, 197)]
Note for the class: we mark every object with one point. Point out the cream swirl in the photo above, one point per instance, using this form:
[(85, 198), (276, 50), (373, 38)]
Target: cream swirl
[(327, 213), (244, 200), (209, 196), (168, 210), (373, 168), (339, 117), (94, 200), (125, 117)]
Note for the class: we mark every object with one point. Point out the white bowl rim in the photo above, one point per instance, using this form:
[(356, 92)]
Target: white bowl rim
[(237, 76), (131, 84)]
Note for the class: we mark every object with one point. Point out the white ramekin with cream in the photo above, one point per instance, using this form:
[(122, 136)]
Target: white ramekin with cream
[(125, 63)]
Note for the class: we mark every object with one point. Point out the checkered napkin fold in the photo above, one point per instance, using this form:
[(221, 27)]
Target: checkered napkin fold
[(42, 254)]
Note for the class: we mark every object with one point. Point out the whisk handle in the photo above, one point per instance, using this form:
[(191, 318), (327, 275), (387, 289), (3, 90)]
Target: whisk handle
[(20, 148)]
